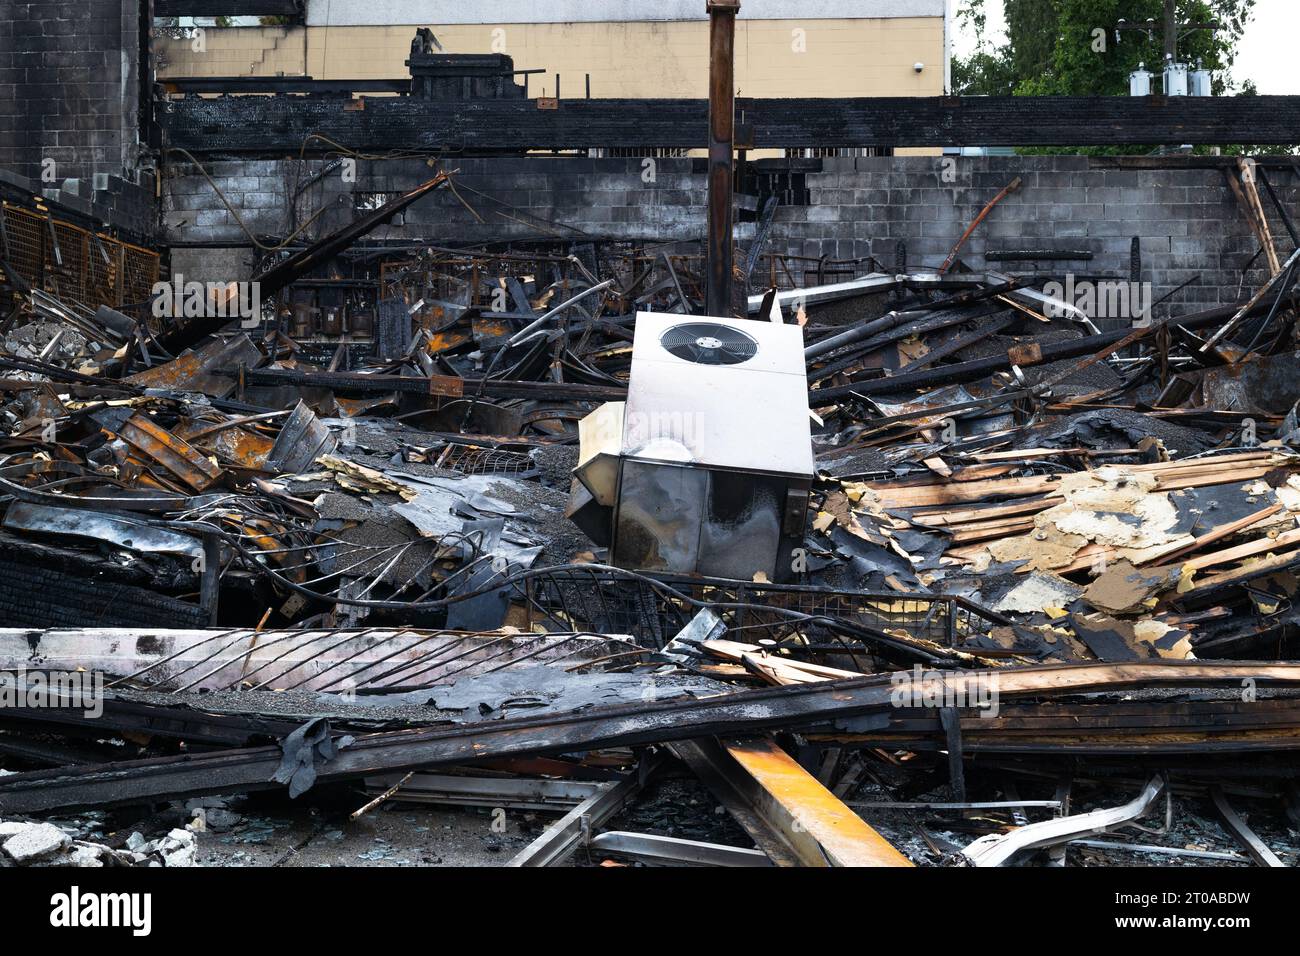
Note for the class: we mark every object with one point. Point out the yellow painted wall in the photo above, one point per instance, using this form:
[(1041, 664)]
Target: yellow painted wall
[(625, 59)]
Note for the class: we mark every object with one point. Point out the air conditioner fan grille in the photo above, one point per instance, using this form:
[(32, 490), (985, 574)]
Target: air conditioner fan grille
[(708, 343)]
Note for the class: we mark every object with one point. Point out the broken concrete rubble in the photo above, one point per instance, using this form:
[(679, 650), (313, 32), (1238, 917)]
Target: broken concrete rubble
[(47, 845), (29, 843)]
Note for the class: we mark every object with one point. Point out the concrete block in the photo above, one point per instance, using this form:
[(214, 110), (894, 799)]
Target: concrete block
[(35, 841), (85, 855), (211, 217)]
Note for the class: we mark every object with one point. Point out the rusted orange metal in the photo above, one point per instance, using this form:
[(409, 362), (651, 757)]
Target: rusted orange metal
[(445, 341), (236, 440), (206, 369), (448, 385), (174, 454), (244, 447)]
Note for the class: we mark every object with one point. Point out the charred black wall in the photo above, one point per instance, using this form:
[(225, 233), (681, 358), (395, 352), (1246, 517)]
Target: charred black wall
[(69, 89)]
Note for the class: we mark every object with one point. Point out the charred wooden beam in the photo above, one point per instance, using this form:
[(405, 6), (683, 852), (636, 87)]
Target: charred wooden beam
[(227, 8), (300, 263), (180, 722), (280, 84), (446, 386), (981, 368), (277, 124), (141, 781)]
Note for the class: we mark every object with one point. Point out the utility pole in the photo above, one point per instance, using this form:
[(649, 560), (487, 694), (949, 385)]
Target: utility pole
[(1173, 30), (722, 161)]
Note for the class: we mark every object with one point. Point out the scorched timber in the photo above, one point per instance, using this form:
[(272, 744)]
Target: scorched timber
[(744, 713), (436, 385), (257, 124), (977, 369), (230, 8)]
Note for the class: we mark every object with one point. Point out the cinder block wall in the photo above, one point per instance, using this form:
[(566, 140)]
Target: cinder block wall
[(68, 88), (1187, 220)]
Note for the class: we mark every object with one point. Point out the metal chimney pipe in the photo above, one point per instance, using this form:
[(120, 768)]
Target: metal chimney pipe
[(722, 163)]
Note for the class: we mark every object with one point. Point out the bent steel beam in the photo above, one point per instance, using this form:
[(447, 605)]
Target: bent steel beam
[(998, 848)]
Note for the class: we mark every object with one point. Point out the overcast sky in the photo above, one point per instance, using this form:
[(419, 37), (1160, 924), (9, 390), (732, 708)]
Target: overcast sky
[(1266, 55)]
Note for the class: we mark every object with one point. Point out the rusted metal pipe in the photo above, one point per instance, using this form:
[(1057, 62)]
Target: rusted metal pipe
[(722, 129)]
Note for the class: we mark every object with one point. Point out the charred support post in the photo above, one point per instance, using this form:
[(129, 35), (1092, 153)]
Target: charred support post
[(210, 577), (950, 720), (722, 129)]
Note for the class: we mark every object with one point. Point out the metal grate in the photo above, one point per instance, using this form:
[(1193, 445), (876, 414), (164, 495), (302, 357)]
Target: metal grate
[(103, 271), (139, 273), (476, 460), (65, 260), (25, 242), (74, 264), (610, 602)]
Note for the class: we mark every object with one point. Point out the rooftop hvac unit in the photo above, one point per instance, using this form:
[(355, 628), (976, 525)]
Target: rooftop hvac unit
[(707, 466)]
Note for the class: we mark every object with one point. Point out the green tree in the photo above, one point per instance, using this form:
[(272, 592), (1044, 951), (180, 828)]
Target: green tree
[(1088, 62), (987, 71), (1073, 48), (1031, 34)]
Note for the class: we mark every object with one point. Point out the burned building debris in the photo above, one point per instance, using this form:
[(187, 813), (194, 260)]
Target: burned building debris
[(965, 560)]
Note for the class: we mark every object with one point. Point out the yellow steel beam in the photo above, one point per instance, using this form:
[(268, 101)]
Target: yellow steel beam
[(816, 823), (793, 818)]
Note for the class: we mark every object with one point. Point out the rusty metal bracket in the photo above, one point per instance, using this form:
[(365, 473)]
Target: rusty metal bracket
[(450, 386)]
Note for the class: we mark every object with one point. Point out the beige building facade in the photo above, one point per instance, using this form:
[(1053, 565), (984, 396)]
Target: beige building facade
[(628, 48)]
